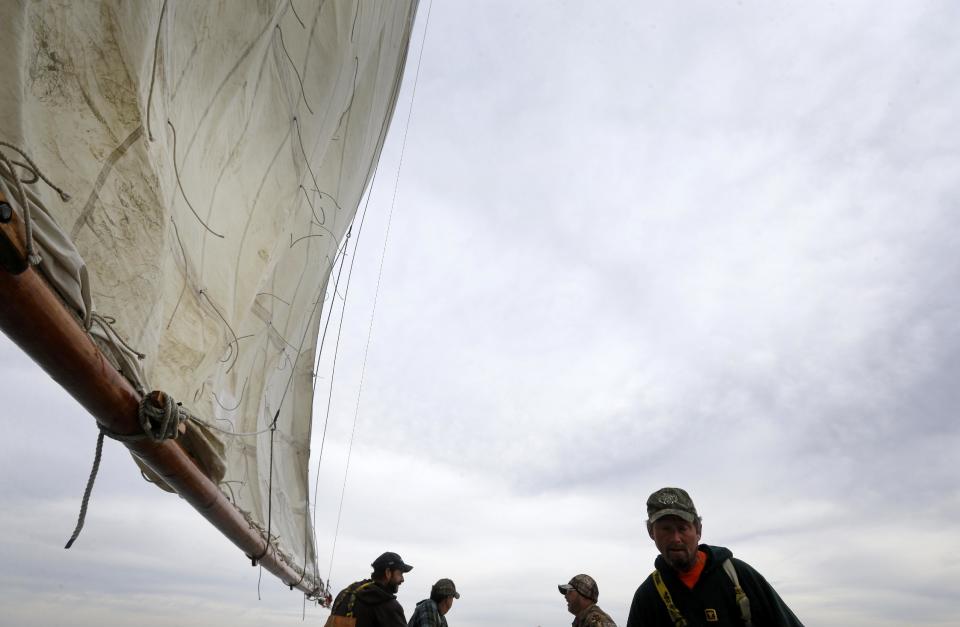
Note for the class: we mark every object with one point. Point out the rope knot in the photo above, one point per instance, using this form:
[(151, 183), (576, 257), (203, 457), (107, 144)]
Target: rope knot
[(161, 417)]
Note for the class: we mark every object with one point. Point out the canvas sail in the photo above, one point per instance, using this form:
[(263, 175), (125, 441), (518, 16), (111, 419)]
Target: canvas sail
[(214, 154)]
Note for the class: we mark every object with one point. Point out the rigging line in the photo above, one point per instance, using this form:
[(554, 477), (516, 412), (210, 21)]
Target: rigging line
[(239, 402), (303, 338), (33, 257), (306, 159), (235, 340), (106, 323), (266, 547), (293, 242), (297, 15), (209, 425), (25, 198), (274, 296), (153, 72), (89, 489), (376, 295), (323, 339), (336, 349), (303, 92), (64, 196), (176, 171), (307, 196), (342, 313), (341, 255), (186, 272), (293, 370), (36, 177), (346, 292)]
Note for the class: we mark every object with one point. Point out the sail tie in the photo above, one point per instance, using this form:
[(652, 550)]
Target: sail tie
[(161, 418)]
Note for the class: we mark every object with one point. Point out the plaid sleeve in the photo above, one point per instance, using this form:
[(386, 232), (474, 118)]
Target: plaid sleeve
[(426, 615)]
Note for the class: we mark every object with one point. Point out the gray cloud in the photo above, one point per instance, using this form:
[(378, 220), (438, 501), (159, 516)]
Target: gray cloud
[(711, 246)]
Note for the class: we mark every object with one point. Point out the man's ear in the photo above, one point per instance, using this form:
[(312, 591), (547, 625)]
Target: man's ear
[(650, 530)]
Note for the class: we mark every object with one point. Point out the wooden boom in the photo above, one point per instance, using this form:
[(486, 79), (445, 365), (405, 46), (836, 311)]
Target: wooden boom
[(34, 317)]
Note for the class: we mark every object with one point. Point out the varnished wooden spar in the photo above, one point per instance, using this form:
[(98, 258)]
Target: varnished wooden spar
[(34, 317)]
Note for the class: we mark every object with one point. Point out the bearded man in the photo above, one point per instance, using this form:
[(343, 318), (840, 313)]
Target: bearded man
[(698, 584), (373, 602)]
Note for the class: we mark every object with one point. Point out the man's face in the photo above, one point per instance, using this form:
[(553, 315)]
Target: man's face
[(445, 605), (394, 579), (677, 541), (575, 601)]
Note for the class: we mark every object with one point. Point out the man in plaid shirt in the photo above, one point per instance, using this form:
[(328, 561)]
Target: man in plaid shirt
[(431, 612)]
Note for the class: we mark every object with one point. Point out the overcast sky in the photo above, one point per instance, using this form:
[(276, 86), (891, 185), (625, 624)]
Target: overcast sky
[(705, 244)]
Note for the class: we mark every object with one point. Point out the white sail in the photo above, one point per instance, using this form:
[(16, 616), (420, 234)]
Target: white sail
[(214, 154)]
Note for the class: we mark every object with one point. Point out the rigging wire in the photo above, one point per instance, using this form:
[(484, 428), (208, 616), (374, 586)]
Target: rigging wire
[(386, 239), (336, 352), (293, 370)]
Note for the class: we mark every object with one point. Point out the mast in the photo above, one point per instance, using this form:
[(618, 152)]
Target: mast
[(34, 317)]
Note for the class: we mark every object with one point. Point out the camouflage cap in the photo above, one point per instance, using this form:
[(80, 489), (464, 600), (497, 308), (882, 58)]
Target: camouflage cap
[(444, 588), (671, 502), (390, 561), (584, 584)]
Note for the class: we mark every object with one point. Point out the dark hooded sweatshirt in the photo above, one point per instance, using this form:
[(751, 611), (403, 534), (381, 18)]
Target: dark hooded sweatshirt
[(374, 606), (713, 591)]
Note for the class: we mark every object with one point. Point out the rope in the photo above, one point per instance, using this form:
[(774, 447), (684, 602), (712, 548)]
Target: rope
[(333, 369), (161, 423), (86, 493), (158, 423), (266, 546), (27, 168), (176, 172), (36, 171), (236, 341), (226, 431), (106, 323), (33, 257), (303, 92), (153, 72), (297, 15)]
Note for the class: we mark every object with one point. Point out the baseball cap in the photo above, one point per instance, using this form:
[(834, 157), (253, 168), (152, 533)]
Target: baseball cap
[(671, 502), (584, 584), (392, 561), (445, 588)]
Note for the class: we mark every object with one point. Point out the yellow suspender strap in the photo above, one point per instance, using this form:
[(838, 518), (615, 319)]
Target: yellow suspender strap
[(675, 614), (742, 599), (353, 597)]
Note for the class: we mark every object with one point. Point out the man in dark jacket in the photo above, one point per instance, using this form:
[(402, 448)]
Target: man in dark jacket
[(698, 584), (373, 602)]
